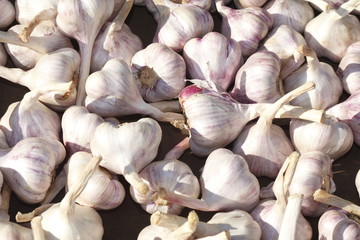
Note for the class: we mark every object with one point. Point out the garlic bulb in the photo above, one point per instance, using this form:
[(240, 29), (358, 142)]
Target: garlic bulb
[(333, 22), (328, 85), (113, 91), (235, 24), (26, 11), (213, 57), (143, 136), (331, 137), (349, 69), (178, 23), (30, 175), (295, 13), (258, 79), (159, 71), (223, 172), (249, 3), (3, 55), (102, 191), (290, 57), (46, 32), (7, 15)]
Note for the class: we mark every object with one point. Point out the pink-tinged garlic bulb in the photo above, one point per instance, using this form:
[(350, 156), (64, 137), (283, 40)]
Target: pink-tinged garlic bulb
[(78, 127), (113, 91), (213, 57), (249, 3), (331, 137), (7, 15), (178, 23), (223, 172), (115, 40), (159, 71), (236, 25), (349, 69), (102, 191), (30, 165), (26, 11), (320, 33), (3, 55), (295, 13), (46, 32), (112, 142), (290, 57), (348, 112), (257, 81), (328, 85)]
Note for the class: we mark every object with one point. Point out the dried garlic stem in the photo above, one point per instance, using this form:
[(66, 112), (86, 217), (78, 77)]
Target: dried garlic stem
[(33, 43), (168, 106), (38, 231), (135, 180), (289, 111), (119, 20), (26, 217), (178, 150), (186, 230)]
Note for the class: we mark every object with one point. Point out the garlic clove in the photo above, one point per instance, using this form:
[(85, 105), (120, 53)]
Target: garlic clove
[(7, 16), (159, 71)]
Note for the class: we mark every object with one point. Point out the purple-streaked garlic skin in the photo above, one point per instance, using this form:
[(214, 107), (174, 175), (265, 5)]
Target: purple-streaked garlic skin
[(349, 69), (122, 44), (247, 26), (331, 137), (290, 58), (172, 175), (30, 165), (268, 159), (258, 79), (103, 190), (3, 55), (78, 127), (295, 13), (178, 23), (26, 11), (7, 13), (348, 112), (336, 224), (213, 57), (160, 72), (313, 171), (24, 57)]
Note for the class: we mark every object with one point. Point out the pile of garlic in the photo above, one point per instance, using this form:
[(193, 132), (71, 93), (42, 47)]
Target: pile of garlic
[(127, 115)]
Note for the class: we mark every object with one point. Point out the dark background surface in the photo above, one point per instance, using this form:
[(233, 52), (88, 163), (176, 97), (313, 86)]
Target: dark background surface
[(126, 221)]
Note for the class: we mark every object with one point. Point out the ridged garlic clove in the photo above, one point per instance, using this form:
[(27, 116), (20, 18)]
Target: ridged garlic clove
[(7, 16), (213, 57), (159, 71)]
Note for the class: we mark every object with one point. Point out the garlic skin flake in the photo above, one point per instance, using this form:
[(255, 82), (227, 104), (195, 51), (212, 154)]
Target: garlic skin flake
[(213, 57), (159, 71)]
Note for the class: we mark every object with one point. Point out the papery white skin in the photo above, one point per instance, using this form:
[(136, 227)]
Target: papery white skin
[(178, 23), (11, 230), (78, 127), (159, 71), (7, 15), (102, 191), (249, 3), (348, 111), (322, 32), (258, 79), (205, 4), (248, 26), (328, 85), (349, 69), (290, 58), (26, 11), (220, 236), (26, 58), (3, 55), (29, 167), (331, 137), (336, 224), (213, 57), (295, 13), (152, 232), (113, 91), (143, 136)]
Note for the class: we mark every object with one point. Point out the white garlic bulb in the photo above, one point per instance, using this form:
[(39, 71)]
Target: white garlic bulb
[(249, 3), (159, 71), (7, 13), (26, 11)]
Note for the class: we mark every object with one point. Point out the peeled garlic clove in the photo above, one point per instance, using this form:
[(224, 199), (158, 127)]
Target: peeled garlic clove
[(334, 22), (213, 57), (290, 58), (258, 79), (295, 13), (7, 15), (109, 95), (30, 175), (178, 23), (328, 85), (102, 191), (235, 24), (78, 126), (331, 137), (349, 69), (159, 71), (112, 142)]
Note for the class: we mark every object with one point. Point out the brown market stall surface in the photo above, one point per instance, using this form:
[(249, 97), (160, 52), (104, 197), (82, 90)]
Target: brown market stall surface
[(127, 220)]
